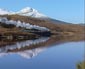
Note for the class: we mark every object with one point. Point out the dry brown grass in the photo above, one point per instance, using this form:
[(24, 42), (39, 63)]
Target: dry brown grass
[(55, 28)]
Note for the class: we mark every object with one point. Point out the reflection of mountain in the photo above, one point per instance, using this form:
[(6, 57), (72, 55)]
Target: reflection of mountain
[(26, 54), (31, 48), (31, 53), (5, 50)]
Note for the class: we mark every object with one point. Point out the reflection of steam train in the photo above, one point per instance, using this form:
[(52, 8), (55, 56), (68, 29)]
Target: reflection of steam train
[(19, 36)]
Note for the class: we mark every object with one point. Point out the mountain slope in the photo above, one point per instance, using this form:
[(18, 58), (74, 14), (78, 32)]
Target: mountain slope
[(58, 27), (29, 17)]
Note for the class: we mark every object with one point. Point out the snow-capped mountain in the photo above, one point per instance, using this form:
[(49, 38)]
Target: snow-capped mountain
[(4, 12), (31, 12), (28, 11)]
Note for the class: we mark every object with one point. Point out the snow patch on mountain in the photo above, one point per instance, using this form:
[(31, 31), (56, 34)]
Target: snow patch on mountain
[(4, 12), (31, 12), (28, 11)]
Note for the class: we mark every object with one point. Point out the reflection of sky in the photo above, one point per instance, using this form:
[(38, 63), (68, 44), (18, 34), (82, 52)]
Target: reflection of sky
[(64, 56)]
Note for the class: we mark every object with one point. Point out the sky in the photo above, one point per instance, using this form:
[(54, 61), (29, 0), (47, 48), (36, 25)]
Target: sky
[(66, 10)]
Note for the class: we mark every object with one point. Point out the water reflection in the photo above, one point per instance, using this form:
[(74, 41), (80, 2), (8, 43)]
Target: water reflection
[(23, 48), (31, 48), (51, 53)]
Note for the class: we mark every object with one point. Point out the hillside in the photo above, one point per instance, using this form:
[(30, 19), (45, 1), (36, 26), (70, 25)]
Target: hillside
[(54, 28)]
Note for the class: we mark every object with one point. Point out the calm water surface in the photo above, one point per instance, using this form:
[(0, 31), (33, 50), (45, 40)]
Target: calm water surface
[(37, 54)]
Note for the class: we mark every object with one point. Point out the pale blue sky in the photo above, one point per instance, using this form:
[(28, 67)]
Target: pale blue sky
[(65, 10)]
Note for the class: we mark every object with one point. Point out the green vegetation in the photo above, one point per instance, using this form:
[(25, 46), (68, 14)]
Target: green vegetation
[(81, 65)]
